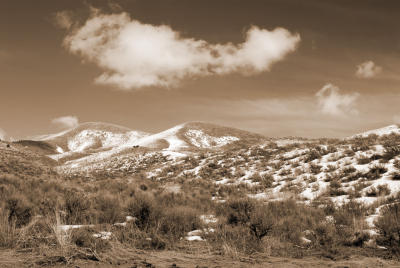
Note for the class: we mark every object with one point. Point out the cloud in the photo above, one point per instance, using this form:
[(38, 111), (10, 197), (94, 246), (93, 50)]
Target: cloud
[(136, 55), (332, 102), (2, 134), (66, 121), (368, 69), (64, 19)]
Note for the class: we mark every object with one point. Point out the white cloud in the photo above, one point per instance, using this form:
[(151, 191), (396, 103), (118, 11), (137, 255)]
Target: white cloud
[(135, 55), (2, 134), (332, 102), (368, 69), (63, 19), (66, 121)]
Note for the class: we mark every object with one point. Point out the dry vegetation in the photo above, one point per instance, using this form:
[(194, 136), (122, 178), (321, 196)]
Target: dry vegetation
[(38, 207)]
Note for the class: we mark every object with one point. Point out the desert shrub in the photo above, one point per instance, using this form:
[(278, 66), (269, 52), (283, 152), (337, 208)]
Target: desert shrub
[(315, 169), (38, 234), (232, 239), (388, 226), (396, 176), (76, 207), (177, 221), (380, 190), (107, 208), (360, 186), (353, 177), (312, 155), (362, 160), (396, 163), (349, 152), (335, 188), (375, 157), (360, 144), (83, 237), (143, 207), (391, 151), (134, 236), (331, 168), (375, 172), (267, 180), (348, 170), (311, 179), (285, 172), (20, 211), (48, 204), (325, 236), (8, 232), (353, 193)]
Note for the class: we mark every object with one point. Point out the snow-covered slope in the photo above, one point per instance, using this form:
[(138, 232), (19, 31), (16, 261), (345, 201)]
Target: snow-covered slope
[(99, 144), (380, 131), (92, 135)]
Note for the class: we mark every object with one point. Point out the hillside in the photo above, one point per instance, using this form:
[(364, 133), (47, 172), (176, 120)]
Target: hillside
[(19, 160), (202, 185), (392, 129), (356, 167)]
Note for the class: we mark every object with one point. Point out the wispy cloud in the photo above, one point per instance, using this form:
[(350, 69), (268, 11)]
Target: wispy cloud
[(64, 19), (368, 69), (332, 102), (3, 134), (136, 55), (66, 121)]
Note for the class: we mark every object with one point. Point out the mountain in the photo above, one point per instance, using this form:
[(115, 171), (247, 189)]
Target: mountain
[(198, 135), (361, 167), (95, 147), (91, 135)]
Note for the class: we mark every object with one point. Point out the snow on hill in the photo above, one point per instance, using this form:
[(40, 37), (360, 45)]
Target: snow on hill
[(99, 144), (92, 135), (380, 131)]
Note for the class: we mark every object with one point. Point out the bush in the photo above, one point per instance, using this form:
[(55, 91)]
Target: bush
[(8, 232), (380, 190), (77, 207), (396, 176), (396, 164), (177, 221), (363, 160), (335, 188), (375, 172), (20, 211), (108, 209), (388, 226), (83, 237), (142, 206)]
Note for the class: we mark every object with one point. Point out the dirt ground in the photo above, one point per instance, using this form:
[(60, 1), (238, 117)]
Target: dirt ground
[(131, 258)]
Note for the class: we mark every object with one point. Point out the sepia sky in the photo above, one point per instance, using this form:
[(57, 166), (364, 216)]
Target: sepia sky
[(279, 68)]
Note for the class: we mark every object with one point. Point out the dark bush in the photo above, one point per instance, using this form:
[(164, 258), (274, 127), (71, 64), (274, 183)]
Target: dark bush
[(19, 209), (388, 226), (77, 207), (375, 172)]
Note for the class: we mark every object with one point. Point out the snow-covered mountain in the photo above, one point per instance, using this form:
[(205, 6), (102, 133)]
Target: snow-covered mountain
[(97, 143), (96, 136)]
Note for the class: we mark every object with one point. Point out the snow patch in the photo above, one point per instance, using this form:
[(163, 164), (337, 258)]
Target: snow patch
[(202, 140)]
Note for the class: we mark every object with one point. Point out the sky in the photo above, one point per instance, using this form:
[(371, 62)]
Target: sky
[(276, 67)]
